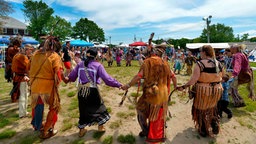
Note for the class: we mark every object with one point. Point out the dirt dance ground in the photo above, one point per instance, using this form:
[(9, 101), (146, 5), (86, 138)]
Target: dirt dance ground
[(241, 129)]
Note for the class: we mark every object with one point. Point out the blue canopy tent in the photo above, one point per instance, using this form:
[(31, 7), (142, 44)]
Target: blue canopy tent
[(4, 40), (26, 40), (81, 43), (3, 45)]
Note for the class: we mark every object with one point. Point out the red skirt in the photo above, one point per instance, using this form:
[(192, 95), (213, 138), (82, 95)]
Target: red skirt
[(156, 131)]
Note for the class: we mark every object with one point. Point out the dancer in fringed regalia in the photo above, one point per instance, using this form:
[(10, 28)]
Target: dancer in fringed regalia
[(20, 68), (152, 105), (128, 57), (119, 55), (242, 73), (12, 50), (109, 57), (178, 59), (45, 69), (189, 61), (92, 109), (207, 77)]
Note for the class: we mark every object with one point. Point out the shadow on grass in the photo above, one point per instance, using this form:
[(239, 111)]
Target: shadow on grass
[(191, 136), (240, 112), (9, 117), (26, 136), (73, 138)]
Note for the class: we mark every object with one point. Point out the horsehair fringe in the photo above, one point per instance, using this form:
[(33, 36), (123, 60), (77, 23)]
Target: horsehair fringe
[(207, 96), (154, 111), (204, 116)]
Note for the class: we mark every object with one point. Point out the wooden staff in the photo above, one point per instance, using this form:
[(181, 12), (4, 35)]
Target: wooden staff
[(169, 97), (123, 98)]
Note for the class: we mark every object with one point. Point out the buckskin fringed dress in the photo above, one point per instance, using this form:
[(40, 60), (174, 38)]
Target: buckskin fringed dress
[(153, 104), (208, 92), (44, 81)]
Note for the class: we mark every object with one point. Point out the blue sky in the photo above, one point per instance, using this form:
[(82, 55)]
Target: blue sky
[(122, 20)]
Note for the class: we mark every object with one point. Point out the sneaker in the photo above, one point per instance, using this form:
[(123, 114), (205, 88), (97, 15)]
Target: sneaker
[(82, 132), (26, 115)]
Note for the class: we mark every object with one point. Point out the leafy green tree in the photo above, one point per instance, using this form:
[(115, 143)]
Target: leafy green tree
[(183, 42), (58, 26), (237, 38), (179, 42), (245, 37), (196, 40), (86, 28), (5, 9), (38, 14), (218, 33), (253, 39), (158, 41)]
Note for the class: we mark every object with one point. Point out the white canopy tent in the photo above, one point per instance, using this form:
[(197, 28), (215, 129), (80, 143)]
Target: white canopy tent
[(123, 45), (214, 45), (100, 46)]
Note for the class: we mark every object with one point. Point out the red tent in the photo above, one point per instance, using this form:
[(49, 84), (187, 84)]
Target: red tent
[(138, 44)]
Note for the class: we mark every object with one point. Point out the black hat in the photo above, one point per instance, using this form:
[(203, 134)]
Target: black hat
[(92, 52)]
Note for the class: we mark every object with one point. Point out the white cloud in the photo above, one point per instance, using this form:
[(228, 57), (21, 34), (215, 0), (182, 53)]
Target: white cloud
[(113, 14), (16, 1), (69, 18), (243, 25), (181, 27), (252, 33), (227, 8), (49, 2)]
